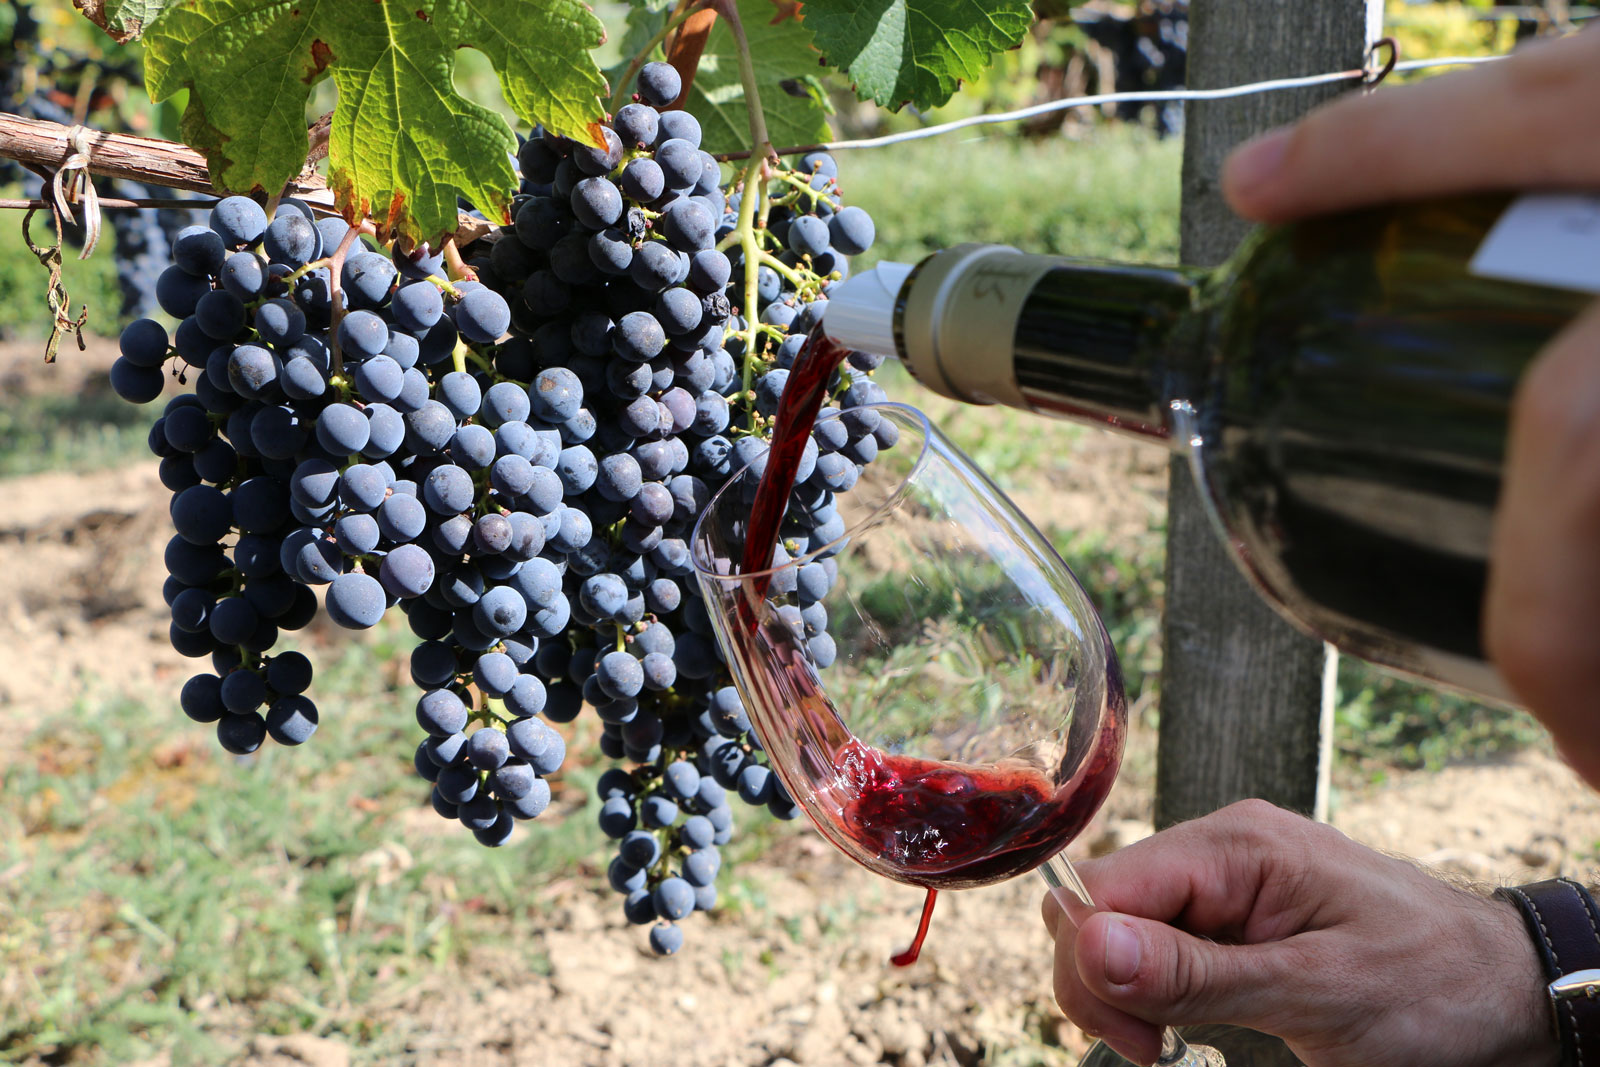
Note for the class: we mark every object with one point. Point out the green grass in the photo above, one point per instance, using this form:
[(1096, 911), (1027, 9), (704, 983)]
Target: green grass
[(1383, 720), (149, 875), (1126, 584), (1113, 195), (24, 288), (78, 432)]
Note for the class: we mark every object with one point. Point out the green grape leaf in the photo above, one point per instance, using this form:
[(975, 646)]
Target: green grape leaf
[(916, 52), (783, 57), (123, 20), (403, 141)]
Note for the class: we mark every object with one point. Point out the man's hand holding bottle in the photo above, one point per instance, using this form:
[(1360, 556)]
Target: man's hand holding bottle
[(1258, 917)]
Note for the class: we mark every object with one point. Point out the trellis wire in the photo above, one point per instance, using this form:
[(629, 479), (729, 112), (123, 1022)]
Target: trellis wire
[(1141, 96), (1505, 14)]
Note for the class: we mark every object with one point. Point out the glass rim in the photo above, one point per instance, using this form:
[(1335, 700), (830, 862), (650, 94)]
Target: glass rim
[(814, 551)]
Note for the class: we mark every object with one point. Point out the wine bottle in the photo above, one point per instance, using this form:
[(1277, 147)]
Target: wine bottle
[(1341, 384)]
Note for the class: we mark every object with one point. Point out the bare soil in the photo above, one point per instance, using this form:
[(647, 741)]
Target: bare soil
[(803, 978)]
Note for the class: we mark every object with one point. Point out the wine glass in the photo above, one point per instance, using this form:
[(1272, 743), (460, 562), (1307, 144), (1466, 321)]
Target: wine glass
[(930, 682)]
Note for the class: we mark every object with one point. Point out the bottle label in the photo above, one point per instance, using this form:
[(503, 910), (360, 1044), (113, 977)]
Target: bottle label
[(1548, 239)]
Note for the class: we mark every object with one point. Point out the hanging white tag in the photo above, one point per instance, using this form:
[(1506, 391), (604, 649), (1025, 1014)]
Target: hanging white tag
[(1548, 239)]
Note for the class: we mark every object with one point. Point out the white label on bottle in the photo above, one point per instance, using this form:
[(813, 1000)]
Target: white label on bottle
[(1546, 239)]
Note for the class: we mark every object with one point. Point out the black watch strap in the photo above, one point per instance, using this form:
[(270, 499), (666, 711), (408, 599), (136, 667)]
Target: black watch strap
[(1564, 924)]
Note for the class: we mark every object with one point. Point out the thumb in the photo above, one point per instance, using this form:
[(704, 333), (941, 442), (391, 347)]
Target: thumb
[(1160, 974)]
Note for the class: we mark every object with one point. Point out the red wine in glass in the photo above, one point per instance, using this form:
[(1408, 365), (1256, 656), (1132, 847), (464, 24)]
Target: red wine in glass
[(930, 823)]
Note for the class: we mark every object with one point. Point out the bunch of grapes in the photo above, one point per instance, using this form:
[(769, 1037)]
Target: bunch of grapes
[(516, 459)]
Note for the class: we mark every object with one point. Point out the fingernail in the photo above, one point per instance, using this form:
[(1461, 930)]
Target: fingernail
[(1257, 162), (1122, 953)]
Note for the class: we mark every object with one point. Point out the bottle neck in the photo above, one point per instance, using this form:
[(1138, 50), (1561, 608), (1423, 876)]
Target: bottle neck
[(1101, 343)]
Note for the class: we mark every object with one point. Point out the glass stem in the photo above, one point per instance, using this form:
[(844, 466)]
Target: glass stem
[(1062, 878)]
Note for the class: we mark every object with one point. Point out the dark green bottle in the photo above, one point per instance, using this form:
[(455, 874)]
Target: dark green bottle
[(1343, 386)]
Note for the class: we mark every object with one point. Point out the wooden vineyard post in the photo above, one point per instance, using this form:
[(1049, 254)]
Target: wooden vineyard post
[(1245, 698)]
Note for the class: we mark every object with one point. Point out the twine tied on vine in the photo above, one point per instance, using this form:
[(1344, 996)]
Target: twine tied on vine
[(70, 183)]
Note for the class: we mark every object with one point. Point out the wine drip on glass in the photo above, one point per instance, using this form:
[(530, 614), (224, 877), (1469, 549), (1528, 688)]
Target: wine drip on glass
[(966, 719)]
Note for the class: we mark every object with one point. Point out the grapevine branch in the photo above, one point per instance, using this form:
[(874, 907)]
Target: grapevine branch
[(41, 145), (147, 160)]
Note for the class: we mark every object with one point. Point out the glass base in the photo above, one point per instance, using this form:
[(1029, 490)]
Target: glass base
[(1208, 1046)]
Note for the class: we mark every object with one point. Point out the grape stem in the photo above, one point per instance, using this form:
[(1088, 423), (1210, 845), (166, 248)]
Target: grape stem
[(729, 10), (620, 95), (755, 188), (336, 311), (445, 286), (784, 269), (457, 268), (801, 186)]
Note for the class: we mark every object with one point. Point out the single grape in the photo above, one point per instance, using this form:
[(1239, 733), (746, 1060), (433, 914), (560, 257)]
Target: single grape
[(487, 748), (342, 429), (680, 164), (291, 239), (689, 227), (417, 306), (483, 316), (674, 898), (659, 84), (654, 266), (241, 734), (238, 220), (201, 698), (441, 713), (356, 601), (679, 125), (596, 202), (280, 322), (500, 611), (851, 231), (291, 720), (808, 235), (367, 278), (597, 161)]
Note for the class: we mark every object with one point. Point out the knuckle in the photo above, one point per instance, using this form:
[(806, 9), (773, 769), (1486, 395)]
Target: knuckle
[(1253, 821), (1254, 810), (1188, 978)]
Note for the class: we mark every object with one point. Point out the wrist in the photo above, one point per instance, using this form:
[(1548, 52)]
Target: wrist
[(1531, 1038)]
